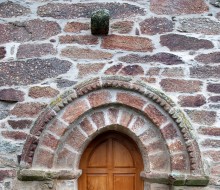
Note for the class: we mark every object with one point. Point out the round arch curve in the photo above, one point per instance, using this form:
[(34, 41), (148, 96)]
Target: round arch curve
[(164, 135)]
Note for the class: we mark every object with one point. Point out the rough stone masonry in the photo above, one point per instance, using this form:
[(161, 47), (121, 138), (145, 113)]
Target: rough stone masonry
[(46, 47)]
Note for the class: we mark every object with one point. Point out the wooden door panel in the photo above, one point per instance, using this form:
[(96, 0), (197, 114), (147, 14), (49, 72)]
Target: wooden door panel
[(122, 156), (98, 158), (124, 182), (97, 182), (111, 162)]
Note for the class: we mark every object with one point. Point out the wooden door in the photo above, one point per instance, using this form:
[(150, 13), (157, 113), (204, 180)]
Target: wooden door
[(111, 162)]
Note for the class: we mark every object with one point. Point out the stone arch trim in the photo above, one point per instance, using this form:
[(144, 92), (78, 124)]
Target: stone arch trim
[(127, 84)]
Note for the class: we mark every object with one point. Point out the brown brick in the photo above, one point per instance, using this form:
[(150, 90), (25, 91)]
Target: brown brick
[(113, 115), (126, 118), (153, 71), (155, 25), (9, 9), (99, 98), (176, 7), (202, 116), (70, 11), (209, 58), (75, 139), (20, 124), (122, 27), (86, 126), (205, 72), (214, 155), (199, 26), (176, 42), (179, 162), (99, 119), (147, 136), (76, 27), (149, 79), (113, 69), (132, 70), (80, 53), (30, 109), (214, 99), (11, 95), (138, 126), (76, 39), (177, 85), (192, 101), (57, 127), (65, 159), (4, 174), (44, 158), (2, 52), (155, 115), (216, 171), (155, 147), (31, 30), (214, 88), (35, 50), (62, 83), (89, 69), (169, 131), (128, 43), (159, 161), (173, 72), (176, 146), (164, 58), (131, 100), (210, 143), (49, 140), (74, 110), (14, 135), (21, 72), (42, 92)]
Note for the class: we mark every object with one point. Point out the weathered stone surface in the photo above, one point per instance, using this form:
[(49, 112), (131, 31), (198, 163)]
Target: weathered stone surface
[(27, 109), (209, 58), (113, 69), (89, 69), (211, 131), (31, 71), (6, 161), (99, 98), (50, 141), (57, 127), (192, 101), (154, 25), (128, 43), (84, 40), (213, 87), (177, 85), (122, 27), (11, 95), (216, 3), (176, 42), (214, 155), (173, 72), (42, 92), (132, 70), (31, 30), (81, 53), (35, 50), (14, 135), (62, 83), (205, 72), (211, 143), (179, 162), (70, 11), (98, 119), (8, 147), (178, 7), (76, 27), (214, 99), (164, 58), (9, 9), (169, 131), (199, 26), (2, 52), (20, 124), (202, 116), (7, 174), (44, 158)]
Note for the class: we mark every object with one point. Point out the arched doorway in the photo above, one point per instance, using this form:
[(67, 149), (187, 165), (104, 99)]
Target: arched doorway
[(112, 161)]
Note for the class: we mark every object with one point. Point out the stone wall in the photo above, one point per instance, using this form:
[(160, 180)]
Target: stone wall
[(46, 47)]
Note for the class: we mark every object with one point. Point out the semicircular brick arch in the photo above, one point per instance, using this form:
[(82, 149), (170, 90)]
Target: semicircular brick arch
[(52, 133)]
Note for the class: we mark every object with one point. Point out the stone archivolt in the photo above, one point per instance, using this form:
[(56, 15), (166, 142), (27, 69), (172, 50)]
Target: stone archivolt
[(59, 136)]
